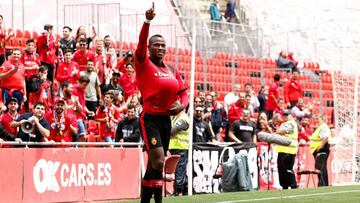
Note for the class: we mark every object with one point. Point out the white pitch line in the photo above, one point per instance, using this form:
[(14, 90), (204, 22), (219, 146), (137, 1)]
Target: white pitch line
[(290, 196)]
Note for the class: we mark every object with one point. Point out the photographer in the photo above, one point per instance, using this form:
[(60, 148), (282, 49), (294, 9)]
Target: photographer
[(41, 127)]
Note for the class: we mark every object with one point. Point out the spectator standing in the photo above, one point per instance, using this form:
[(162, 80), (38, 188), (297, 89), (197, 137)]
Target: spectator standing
[(68, 70), (231, 97), (4, 36), (107, 115), (128, 128), (179, 145), (128, 81), (67, 42), (236, 108), (100, 62), (114, 84), (293, 90), (273, 97), (108, 49), (82, 55), (12, 78), (41, 131), (215, 16), (128, 58), (243, 130), (31, 62), (41, 90), (81, 34), (10, 115), (218, 115), (230, 15), (254, 102), (201, 130), (93, 96), (263, 97), (305, 130), (299, 112), (46, 47), (59, 122)]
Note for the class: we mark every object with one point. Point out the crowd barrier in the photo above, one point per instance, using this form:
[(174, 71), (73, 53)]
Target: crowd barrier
[(100, 174)]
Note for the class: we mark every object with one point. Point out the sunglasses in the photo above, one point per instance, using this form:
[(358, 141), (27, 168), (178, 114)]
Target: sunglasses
[(82, 45)]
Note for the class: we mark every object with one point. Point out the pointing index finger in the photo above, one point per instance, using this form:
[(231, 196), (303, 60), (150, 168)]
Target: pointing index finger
[(153, 6)]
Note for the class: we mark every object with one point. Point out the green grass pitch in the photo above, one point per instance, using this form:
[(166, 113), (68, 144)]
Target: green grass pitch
[(341, 194)]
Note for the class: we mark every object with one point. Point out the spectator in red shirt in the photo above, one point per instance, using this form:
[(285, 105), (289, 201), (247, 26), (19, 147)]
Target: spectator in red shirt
[(59, 122), (46, 47), (108, 46), (128, 82), (68, 70), (273, 96), (10, 116), (305, 130), (293, 90), (31, 61), (280, 107), (235, 108), (100, 62), (83, 55), (3, 38), (121, 65), (42, 94), (108, 116), (12, 78)]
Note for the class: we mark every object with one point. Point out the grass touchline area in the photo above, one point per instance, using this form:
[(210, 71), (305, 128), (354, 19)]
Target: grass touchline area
[(324, 194)]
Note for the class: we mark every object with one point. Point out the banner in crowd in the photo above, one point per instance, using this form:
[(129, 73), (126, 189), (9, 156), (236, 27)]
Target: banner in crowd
[(69, 174), (206, 160)]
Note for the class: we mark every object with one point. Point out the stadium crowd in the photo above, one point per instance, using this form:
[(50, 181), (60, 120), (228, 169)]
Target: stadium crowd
[(68, 87)]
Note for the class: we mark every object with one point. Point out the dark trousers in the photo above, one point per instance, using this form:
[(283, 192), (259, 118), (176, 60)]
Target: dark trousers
[(51, 69), (285, 164), (269, 113), (91, 106), (323, 177), (181, 181), (2, 59)]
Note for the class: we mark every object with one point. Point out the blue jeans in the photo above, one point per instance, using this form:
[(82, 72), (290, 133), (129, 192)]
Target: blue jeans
[(108, 139), (81, 127), (16, 93), (181, 181)]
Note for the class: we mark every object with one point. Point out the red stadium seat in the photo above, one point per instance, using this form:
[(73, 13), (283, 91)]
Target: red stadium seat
[(19, 34), (34, 35), (27, 34)]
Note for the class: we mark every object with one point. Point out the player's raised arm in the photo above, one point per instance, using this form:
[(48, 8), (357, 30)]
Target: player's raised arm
[(141, 51)]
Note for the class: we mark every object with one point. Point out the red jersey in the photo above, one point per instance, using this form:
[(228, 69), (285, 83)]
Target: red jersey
[(64, 71), (292, 91), (46, 47), (120, 66), (159, 86), (235, 111), (82, 57), (128, 84), (15, 81), (78, 92), (59, 127), (42, 95), (2, 40), (271, 104), (6, 120), (100, 63), (29, 60), (107, 127), (305, 133)]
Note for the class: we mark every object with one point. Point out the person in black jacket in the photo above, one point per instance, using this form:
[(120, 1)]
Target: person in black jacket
[(128, 128)]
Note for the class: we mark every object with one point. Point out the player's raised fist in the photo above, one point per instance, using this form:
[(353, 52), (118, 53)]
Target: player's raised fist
[(150, 14)]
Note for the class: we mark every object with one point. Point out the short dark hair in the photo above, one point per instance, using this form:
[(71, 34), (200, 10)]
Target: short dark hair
[(110, 93), (42, 69), (107, 36), (1, 17), (277, 77), (48, 27), (30, 41), (248, 84), (130, 106), (84, 78), (83, 40), (67, 27), (152, 38), (67, 51), (39, 104), (65, 84), (130, 63)]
